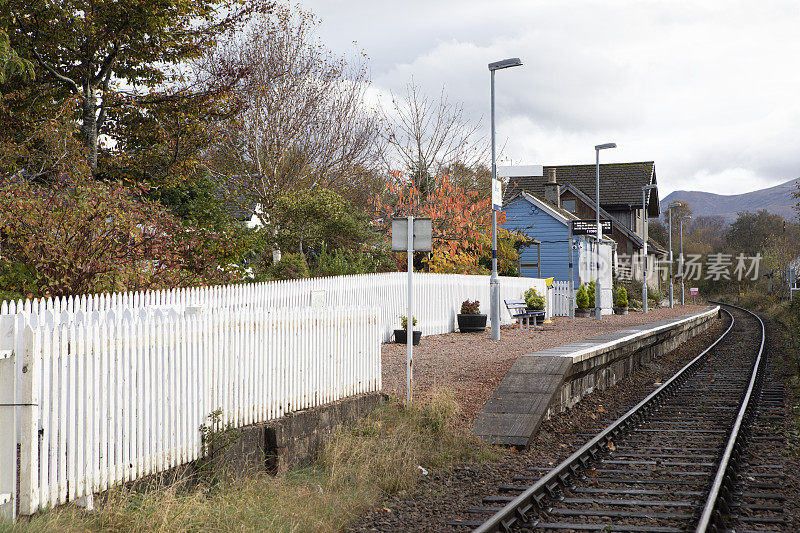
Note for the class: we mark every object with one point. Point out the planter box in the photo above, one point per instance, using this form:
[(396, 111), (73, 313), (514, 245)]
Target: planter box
[(400, 337), (471, 323), (583, 313), (620, 310)]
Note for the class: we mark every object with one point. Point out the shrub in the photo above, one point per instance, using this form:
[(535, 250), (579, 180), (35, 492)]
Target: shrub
[(534, 300), (621, 297), (404, 322), (654, 295), (342, 262), (291, 266), (581, 298), (75, 236), (470, 308), (590, 290)]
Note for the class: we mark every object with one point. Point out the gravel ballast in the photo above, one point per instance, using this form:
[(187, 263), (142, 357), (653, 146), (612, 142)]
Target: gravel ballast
[(444, 496)]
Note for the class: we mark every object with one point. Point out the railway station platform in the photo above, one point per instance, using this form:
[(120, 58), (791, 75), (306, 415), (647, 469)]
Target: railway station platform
[(550, 381)]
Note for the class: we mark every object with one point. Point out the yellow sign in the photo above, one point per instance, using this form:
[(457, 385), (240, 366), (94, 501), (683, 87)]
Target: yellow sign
[(549, 282)]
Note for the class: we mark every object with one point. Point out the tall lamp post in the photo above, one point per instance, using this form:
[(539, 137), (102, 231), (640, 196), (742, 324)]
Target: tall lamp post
[(681, 219), (597, 306), (494, 282), (644, 244), (669, 216)]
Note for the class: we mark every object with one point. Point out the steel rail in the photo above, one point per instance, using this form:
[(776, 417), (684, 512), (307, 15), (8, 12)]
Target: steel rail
[(517, 510), (710, 518)]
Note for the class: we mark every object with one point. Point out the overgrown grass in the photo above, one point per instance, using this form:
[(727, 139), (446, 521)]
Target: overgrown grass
[(359, 466)]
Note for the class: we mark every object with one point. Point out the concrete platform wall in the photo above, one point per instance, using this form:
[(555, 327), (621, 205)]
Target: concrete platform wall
[(606, 367), (293, 440), (551, 381)]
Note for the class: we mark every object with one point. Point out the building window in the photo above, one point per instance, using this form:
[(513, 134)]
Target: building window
[(569, 205)]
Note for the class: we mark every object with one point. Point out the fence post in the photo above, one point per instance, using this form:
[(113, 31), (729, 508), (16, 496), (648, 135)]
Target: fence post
[(29, 436), (8, 420)]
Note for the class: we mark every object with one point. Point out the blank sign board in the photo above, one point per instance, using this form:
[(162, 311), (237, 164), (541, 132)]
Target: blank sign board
[(520, 171), (422, 234)]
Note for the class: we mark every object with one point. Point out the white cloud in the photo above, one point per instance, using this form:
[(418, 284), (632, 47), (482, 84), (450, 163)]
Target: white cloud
[(706, 89)]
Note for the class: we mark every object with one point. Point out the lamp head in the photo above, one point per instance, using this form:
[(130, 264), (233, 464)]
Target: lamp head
[(649, 187), (505, 63), (674, 204), (687, 217), (604, 146)]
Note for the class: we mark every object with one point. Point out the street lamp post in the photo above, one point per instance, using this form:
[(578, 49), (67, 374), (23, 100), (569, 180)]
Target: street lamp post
[(687, 217), (597, 307), (494, 282), (644, 244), (669, 216)]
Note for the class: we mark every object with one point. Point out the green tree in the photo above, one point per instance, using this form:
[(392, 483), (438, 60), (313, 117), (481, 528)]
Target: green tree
[(658, 232), (124, 61), (751, 231), (307, 220), (10, 62)]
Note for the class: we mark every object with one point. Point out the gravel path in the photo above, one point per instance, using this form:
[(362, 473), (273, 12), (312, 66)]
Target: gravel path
[(472, 364), (444, 496)]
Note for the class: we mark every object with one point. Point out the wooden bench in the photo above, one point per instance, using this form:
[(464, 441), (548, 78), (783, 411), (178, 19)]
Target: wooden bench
[(519, 310)]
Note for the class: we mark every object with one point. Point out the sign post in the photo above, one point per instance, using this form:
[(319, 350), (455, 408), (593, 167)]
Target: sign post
[(411, 235), (693, 291), (497, 195)]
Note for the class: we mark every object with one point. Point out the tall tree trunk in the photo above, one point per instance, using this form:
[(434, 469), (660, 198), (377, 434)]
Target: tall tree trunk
[(89, 126)]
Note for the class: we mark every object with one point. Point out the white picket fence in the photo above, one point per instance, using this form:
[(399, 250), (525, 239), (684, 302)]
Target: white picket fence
[(560, 298), (437, 298), (112, 397), (102, 389)]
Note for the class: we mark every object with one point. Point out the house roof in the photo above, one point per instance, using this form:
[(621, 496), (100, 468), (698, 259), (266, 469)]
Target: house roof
[(620, 183), (653, 245), (562, 215), (605, 214)]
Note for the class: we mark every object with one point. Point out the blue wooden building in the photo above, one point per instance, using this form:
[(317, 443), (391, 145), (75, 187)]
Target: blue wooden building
[(549, 256)]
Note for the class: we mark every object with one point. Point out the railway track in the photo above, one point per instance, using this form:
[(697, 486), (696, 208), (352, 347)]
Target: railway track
[(698, 454)]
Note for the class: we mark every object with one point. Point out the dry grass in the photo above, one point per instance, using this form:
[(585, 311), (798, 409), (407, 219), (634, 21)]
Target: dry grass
[(358, 466)]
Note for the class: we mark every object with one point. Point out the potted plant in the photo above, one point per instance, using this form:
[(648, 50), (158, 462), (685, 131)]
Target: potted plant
[(470, 319), (621, 301), (400, 335), (535, 302), (582, 301)]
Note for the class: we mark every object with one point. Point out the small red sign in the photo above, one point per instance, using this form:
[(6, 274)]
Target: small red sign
[(694, 291)]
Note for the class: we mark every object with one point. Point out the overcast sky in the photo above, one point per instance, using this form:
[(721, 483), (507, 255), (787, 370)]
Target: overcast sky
[(709, 91)]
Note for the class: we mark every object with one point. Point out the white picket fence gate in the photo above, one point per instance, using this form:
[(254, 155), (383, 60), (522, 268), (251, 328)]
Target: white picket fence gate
[(560, 299), (437, 298), (102, 389)]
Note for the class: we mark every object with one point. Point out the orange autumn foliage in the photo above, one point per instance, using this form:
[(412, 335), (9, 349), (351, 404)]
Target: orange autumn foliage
[(461, 219)]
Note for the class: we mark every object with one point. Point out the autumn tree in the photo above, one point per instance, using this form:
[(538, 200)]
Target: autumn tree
[(461, 220), (428, 138), (126, 64), (77, 236), (304, 122)]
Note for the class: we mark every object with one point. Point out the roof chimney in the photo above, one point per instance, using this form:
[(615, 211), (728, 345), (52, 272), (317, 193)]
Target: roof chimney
[(552, 190)]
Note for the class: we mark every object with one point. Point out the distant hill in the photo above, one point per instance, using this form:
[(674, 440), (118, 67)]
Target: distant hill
[(777, 199)]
